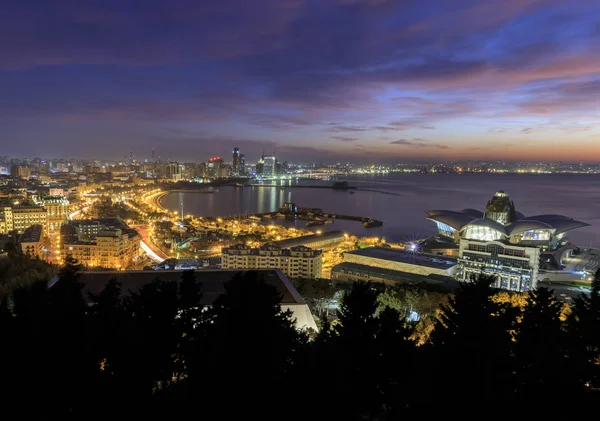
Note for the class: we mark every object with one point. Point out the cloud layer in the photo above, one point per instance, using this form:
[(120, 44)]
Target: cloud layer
[(192, 78)]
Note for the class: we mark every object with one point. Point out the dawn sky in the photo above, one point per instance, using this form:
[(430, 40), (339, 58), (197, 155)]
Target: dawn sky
[(365, 80)]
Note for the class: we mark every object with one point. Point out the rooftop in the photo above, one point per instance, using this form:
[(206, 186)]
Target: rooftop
[(394, 275), (307, 239), (409, 257), (33, 234), (212, 282), (501, 216), (270, 247)]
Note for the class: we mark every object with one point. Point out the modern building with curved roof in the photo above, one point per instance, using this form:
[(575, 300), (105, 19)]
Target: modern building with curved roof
[(502, 241)]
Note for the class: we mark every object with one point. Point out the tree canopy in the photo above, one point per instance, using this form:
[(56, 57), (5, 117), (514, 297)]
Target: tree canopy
[(158, 353)]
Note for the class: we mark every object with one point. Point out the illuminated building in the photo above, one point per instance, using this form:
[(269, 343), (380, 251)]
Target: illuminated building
[(502, 241), (242, 169), (44, 168), (107, 243), (235, 161), (213, 167), (173, 171), (31, 241), (58, 211), (20, 171), (19, 218), (267, 166), (296, 262)]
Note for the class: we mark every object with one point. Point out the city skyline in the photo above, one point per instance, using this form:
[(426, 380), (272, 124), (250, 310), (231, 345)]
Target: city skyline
[(341, 80)]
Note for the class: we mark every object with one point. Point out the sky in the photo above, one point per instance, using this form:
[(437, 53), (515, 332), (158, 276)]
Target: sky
[(311, 80)]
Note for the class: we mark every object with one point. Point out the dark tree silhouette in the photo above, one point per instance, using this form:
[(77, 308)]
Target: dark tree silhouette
[(247, 347), (541, 365), (584, 337), (350, 356), (471, 343)]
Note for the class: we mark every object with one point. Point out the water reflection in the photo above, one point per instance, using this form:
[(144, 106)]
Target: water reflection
[(402, 211)]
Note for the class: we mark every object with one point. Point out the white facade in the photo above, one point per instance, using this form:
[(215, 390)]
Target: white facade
[(515, 267)]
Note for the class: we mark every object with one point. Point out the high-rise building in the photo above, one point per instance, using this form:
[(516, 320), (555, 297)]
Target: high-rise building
[(299, 261), (267, 166), (236, 161), (173, 171), (44, 168), (502, 242), (20, 171), (213, 167), (242, 170)]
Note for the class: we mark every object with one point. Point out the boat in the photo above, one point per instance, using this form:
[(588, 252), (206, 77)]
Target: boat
[(280, 215), (328, 221), (370, 223), (266, 216), (315, 222), (254, 218)]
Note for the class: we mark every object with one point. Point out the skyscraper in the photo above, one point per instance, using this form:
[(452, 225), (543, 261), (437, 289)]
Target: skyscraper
[(242, 165), (236, 161), (269, 165)]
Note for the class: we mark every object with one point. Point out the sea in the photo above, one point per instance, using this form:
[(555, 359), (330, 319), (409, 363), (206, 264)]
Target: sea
[(400, 200)]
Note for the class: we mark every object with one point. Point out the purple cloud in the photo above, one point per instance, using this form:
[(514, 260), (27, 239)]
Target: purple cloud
[(277, 71)]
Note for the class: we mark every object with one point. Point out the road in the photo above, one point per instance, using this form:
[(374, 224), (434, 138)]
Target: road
[(148, 246)]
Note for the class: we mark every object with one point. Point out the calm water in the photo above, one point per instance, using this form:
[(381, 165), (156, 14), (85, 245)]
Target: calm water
[(400, 200)]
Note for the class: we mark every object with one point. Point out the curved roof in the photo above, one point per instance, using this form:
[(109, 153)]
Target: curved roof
[(523, 225), (456, 220), (488, 223), (559, 222), (472, 212), (459, 220)]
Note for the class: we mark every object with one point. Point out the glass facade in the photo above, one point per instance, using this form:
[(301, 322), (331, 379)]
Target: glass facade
[(536, 235), (476, 232), (445, 230)]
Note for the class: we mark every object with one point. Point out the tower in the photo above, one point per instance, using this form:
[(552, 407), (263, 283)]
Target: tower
[(236, 161)]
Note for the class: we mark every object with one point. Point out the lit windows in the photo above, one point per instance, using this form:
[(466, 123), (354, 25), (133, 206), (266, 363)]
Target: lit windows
[(536, 235), (475, 232)]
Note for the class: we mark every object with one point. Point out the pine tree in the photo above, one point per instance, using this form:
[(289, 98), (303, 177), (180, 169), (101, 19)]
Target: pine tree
[(540, 360), (470, 350), (247, 348), (584, 340)]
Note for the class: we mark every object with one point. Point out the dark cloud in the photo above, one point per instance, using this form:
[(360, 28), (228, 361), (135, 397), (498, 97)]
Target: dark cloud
[(344, 138), (418, 143), (527, 130)]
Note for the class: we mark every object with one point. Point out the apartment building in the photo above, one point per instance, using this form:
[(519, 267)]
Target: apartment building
[(106, 243), (294, 262), (19, 218)]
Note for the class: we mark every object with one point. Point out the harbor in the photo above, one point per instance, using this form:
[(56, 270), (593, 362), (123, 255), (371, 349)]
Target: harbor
[(312, 216)]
